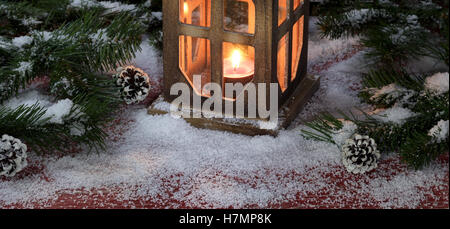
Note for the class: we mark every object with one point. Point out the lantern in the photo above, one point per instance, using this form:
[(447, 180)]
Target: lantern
[(239, 41)]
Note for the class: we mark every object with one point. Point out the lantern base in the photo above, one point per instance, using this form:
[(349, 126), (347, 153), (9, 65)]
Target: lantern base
[(252, 127)]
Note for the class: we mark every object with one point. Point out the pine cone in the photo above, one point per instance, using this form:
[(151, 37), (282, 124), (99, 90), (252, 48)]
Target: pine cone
[(13, 156), (134, 84), (360, 154)]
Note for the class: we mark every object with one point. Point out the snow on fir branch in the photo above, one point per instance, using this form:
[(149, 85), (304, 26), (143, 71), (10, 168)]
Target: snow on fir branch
[(395, 31), (73, 44), (411, 108), (413, 126)]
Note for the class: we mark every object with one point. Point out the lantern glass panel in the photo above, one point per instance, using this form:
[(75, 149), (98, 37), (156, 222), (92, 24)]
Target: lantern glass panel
[(283, 11), (239, 16), (297, 45), (195, 12), (238, 64), (195, 60), (282, 62), (297, 3)]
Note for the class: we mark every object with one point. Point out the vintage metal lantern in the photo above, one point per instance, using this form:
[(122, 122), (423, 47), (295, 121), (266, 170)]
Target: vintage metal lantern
[(239, 41)]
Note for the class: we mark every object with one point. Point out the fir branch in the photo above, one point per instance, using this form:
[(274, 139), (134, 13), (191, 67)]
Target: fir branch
[(440, 49), (323, 128), (28, 123), (395, 31), (78, 49), (382, 77), (86, 45), (418, 150), (83, 124), (395, 45)]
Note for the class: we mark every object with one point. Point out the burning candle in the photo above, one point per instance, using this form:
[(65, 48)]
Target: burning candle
[(238, 69), (185, 8)]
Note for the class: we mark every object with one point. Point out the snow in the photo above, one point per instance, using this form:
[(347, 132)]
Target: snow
[(338, 82), (110, 6), (400, 37), (402, 189), (28, 98), (64, 85), (83, 3), (438, 83), (21, 41), (30, 21), (4, 44), (440, 131), (46, 35), (158, 147), (148, 3), (357, 17), (159, 157), (176, 147), (57, 111), (412, 19), (157, 15), (395, 114), (345, 133), (149, 60), (24, 67), (100, 37), (337, 88), (405, 32), (322, 49), (117, 6), (424, 65)]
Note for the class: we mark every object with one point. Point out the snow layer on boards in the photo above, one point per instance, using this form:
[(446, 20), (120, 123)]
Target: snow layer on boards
[(159, 157)]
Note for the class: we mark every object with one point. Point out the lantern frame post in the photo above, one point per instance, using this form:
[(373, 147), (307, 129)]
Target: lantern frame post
[(278, 33)]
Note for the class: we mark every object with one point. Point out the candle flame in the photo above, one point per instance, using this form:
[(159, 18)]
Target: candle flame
[(186, 8), (236, 59)]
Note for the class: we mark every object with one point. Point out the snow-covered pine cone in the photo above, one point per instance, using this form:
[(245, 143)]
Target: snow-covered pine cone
[(134, 84), (360, 154), (13, 156)]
